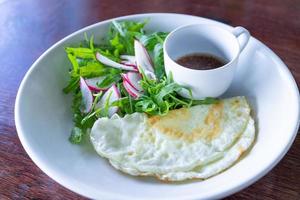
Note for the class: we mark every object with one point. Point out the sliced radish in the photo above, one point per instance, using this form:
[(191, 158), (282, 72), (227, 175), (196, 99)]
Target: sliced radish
[(130, 65), (128, 58), (112, 63), (133, 79), (150, 74), (87, 97), (113, 94), (132, 92), (92, 83), (142, 57)]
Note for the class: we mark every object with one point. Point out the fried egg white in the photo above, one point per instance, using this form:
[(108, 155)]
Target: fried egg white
[(196, 142)]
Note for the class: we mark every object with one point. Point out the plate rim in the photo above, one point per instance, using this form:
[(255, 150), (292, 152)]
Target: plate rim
[(57, 178)]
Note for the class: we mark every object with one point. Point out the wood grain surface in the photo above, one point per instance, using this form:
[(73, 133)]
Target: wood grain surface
[(29, 27)]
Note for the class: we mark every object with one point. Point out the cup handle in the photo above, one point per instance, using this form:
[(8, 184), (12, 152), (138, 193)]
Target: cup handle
[(242, 35)]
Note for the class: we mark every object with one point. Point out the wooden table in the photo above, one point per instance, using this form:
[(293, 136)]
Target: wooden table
[(28, 28)]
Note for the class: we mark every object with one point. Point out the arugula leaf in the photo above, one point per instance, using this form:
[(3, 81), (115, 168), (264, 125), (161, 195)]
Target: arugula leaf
[(160, 97), (135, 26), (80, 128), (107, 105), (117, 46), (92, 112), (109, 80), (91, 43), (94, 69), (109, 55), (73, 84), (86, 38), (207, 100), (83, 62), (81, 52), (123, 34), (74, 63), (126, 103), (77, 132), (76, 135), (146, 105), (158, 56), (149, 41)]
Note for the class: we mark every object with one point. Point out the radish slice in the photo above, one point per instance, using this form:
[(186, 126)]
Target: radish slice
[(128, 58), (87, 97), (130, 65), (92, 83), (133, 79), (112, 63), (113, 94), (132, 92), (150, 74), (143, 60)]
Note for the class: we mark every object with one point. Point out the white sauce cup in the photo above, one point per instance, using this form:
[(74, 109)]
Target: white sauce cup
[(206, 39)]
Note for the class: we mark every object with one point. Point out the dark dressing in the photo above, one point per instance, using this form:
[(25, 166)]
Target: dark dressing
[(201, 61)]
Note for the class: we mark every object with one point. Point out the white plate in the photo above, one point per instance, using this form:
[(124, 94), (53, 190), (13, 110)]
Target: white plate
[(43, 120)]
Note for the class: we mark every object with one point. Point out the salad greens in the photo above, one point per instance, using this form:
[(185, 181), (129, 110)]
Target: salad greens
[(157, 96)]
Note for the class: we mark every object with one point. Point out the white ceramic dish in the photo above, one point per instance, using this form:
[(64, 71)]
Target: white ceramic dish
[(43, 121)]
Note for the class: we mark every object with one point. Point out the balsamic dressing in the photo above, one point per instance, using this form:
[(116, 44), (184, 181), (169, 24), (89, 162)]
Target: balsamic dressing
[(201, 61)]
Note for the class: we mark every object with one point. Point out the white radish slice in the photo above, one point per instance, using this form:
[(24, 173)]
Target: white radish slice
[(113, 94), (128, 58), (131, 91), (150, 74), (133, 79), (87, 97), (112, 63), (127, 63), (92, 83), (142, 57)]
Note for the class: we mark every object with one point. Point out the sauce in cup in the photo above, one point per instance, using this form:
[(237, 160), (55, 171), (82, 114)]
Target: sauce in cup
[(201, 61)]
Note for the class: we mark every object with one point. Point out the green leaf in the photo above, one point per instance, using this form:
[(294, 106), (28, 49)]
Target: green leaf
[(95, 69), (86, 38), (123, 33), (83, 62), (207, 100), (116, 44), (158, 56), (149, 41), (147, 106), (135, 26), (173, 87), (118, 28), (161, 96), (107, 105), (126, 104), (109, 80), (76, 103), (74, 63), (76, 135), (91, 43), (109, 55), (72, 85), (81, 52)]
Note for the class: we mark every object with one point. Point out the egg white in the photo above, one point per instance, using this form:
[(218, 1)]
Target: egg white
[(170, 147)]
